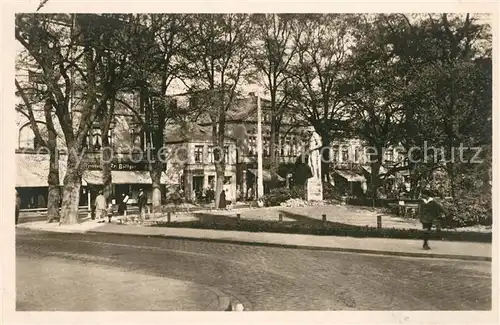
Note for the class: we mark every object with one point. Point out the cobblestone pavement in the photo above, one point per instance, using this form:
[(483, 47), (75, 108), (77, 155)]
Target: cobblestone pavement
[(102, 288), (268, 278)]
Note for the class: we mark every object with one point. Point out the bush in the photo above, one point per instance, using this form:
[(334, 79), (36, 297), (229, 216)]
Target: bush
[(330, 229), (279, 195), (330, 192), (470, 212)]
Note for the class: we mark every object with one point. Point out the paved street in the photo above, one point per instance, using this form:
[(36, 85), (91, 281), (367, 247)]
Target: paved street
[(263, 278)]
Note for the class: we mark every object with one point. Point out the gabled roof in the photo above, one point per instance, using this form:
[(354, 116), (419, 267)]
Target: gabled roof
[(176, 133)]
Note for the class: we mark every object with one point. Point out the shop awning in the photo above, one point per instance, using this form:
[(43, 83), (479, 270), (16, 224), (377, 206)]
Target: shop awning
[(266, 175), (94, 177), (350, 176), (32, 170)]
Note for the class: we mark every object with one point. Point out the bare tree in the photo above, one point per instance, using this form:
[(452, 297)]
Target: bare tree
[(58, 47), (218, 58), (274, 52), (322, 46), (156, 44), (33, 95)]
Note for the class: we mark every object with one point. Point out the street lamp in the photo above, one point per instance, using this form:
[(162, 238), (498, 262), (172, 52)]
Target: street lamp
[(260, 181)]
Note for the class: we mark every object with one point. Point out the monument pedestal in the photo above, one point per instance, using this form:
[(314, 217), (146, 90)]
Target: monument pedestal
[(314, 189)]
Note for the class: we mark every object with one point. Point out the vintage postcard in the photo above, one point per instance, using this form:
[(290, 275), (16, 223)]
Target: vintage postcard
[(249, 160)]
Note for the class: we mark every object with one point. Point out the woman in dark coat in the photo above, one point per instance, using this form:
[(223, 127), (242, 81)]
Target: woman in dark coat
[(222, 201)]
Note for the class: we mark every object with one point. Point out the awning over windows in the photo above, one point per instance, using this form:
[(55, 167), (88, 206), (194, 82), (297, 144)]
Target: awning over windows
[(266, 175), (94, 177), (32, 170), (350, 176)]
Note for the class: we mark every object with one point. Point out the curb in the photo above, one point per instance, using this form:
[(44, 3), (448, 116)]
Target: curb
[(307, 247), (227, 301)]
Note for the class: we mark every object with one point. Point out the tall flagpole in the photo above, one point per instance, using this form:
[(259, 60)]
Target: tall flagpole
[(260, 181)]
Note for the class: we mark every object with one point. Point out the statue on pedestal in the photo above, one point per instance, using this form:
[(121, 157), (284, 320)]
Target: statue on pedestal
[(314, 184)]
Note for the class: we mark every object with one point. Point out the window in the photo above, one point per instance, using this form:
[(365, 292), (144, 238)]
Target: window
[(389, 155), (110, 137), (27, 138), (173, 104), (96, 142), (357, 155), (210, 154), (292, 145), (198, 154), (35, 77), (345, 155), (193, 101), (227, 180), (136, 138), (335, 154), (266, 147), (251, 145), (226, 154)]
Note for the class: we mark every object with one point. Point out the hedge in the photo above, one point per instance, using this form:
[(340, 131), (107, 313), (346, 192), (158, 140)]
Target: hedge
[(328, 229)]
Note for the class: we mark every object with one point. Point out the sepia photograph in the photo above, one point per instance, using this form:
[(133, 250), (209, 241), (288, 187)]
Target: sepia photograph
[(241, 162)]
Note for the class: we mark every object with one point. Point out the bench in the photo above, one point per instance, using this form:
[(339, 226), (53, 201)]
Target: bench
[(405, 208)]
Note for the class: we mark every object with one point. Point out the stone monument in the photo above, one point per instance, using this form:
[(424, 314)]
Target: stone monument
[(314, 184)]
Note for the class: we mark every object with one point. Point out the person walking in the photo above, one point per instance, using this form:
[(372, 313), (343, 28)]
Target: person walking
[(142, 201), (101, 208), (18, 206), (222, 200), (431, 213)]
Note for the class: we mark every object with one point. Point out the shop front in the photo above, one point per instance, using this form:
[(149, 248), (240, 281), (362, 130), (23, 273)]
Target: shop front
[(32, 171), (197, 181), (127, 178)]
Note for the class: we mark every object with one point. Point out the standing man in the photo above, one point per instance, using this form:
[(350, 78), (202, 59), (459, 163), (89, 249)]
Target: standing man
[(142, 201), (101, 208), (18, 206), (431, 212), (122, 206)]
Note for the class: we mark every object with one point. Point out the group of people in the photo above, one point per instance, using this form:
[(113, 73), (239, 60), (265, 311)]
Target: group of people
[(103, 209)]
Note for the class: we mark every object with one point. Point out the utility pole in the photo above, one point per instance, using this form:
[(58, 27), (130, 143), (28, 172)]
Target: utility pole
[(260, 181)]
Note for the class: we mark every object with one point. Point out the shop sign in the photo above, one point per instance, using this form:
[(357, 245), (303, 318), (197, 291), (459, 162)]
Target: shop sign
[(117, 165)]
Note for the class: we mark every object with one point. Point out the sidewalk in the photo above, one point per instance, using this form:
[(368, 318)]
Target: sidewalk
[(82, 227), (381, 246)]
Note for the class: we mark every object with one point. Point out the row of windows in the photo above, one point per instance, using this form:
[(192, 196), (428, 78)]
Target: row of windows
[(199, 157), (289, 146), (93, 141)]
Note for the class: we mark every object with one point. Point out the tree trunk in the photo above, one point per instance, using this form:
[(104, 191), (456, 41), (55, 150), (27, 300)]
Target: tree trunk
[(375, 168), (325, 159), (106, 152), (273, 148), (107, 179), (53, 197), (220, 169), (155, 172), (71, 192)]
